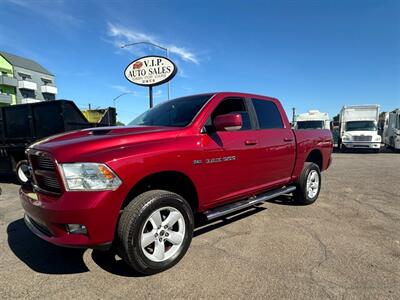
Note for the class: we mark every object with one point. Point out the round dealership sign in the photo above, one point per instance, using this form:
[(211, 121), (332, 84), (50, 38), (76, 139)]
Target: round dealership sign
[(150, 70)]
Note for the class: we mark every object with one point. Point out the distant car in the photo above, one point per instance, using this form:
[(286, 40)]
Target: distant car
[(138, 186)]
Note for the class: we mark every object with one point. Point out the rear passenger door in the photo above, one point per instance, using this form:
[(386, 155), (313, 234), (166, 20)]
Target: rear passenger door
[(276, 142)]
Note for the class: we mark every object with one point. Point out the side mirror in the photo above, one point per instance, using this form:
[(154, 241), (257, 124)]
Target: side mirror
[(228, 122)]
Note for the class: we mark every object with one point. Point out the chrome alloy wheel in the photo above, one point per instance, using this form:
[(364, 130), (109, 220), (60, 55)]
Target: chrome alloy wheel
[(162, 234), (312, 184)]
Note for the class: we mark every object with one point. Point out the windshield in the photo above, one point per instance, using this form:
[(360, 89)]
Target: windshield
[(310, 125), (175, 113), (360, 126)]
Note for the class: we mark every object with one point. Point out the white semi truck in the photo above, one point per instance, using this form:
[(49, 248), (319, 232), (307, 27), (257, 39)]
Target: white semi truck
[(391, 131), (313, 119), (358, 128)]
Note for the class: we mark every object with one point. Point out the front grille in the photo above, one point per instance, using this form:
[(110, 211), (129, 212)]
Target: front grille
[(44, 173), (362, 138), (45, 163), (51, 182)]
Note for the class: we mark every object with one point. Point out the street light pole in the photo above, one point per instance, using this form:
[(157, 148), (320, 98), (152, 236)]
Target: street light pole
[(115, 99), (154, 45), (123, 94)]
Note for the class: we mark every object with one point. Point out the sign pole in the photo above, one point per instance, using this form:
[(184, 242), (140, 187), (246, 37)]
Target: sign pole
[(151, 96), (151, 71)]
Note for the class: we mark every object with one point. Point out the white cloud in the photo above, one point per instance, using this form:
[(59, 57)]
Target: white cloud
[(123, 35), (158, 94), (123, 89), (53, 11)]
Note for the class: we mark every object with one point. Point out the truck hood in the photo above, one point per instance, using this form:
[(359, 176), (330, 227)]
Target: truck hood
[(83, 142)]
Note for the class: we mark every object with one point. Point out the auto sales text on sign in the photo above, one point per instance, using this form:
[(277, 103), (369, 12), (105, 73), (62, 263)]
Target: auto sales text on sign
[(150, 70)]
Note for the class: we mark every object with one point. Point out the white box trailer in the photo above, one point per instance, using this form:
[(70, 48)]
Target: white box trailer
[(358, 127), (391, 131), (313, 119)]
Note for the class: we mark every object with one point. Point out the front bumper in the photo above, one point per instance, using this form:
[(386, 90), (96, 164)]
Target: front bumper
[(362, 145), (47, 217)]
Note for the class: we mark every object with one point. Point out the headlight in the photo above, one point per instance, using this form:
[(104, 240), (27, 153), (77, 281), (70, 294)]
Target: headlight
[(377, 138), (89, 177), (346, 138)]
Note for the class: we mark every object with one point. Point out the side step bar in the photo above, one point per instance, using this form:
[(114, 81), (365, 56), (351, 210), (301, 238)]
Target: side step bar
[(232, 207)]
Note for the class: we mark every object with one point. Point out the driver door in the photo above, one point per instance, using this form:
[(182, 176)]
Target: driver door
[(228, 155)]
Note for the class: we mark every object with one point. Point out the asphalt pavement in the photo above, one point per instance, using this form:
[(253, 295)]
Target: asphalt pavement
[(345, 246)]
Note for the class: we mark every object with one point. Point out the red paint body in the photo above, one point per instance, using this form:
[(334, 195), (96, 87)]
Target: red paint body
[(264, 159)]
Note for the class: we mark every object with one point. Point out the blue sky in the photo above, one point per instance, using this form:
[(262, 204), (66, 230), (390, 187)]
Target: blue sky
[(309, 54)]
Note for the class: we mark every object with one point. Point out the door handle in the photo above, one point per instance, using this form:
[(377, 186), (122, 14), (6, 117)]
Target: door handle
[(250, 142), (288, 139)]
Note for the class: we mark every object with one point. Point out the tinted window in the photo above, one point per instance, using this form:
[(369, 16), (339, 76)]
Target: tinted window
[(233, 106), (310, 124), (267, 114), (360, 125), (176, 113)]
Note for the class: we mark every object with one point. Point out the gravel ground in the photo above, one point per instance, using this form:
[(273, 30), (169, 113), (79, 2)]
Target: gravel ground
[(346, 245)]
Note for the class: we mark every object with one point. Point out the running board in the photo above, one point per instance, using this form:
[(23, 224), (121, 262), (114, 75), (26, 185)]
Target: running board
[(232, 207)]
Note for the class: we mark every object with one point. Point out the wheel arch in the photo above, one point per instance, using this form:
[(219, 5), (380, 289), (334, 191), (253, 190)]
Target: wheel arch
[(315, 156), (172, 181)]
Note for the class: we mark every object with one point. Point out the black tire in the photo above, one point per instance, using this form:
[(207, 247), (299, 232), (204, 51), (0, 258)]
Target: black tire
[(22, 172), (342, 148), (132, 222), (300, 195)]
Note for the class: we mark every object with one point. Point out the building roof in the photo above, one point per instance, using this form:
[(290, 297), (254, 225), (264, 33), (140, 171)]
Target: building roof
[(25, 63)]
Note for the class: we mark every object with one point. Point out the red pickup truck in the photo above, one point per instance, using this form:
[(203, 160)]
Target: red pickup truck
[(138, 187)]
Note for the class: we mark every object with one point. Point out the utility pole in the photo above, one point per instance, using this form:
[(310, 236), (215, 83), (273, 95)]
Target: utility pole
[(294, 115)]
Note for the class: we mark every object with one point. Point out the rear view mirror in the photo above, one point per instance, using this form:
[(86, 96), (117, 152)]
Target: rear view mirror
[(228, 122)]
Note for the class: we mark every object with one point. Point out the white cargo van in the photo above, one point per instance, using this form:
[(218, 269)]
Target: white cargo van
[(313, 119), (358, 127), (391, 131)]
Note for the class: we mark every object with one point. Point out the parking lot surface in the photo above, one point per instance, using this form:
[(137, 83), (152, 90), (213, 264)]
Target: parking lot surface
[(345, 246)]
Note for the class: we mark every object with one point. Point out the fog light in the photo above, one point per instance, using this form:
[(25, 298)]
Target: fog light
[(76, 229)]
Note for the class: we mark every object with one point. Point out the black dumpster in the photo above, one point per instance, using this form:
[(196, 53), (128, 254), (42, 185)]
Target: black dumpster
[(21, 125)]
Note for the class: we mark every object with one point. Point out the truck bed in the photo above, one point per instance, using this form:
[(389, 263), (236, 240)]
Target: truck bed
[(312, 139)]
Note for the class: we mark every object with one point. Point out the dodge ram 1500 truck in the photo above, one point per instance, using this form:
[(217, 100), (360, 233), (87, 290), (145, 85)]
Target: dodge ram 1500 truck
[(138, 187)]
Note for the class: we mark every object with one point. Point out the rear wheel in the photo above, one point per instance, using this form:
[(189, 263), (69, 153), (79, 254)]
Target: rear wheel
[(308, 185), (155, 231)]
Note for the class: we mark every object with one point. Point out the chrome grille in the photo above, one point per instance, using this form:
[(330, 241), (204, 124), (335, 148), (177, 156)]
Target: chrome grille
[(362, 138), (44, 173), (45, 163), (51, 182)]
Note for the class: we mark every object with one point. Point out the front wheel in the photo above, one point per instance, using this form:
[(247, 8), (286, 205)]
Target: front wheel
[(155, 231), (308, 184)]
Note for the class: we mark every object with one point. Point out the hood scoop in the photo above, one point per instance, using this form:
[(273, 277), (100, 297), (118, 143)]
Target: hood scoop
[(100, 131)]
